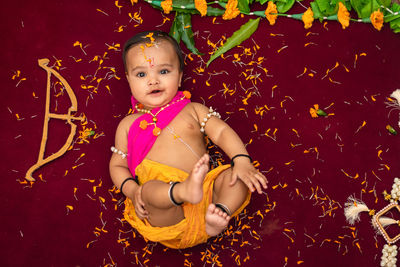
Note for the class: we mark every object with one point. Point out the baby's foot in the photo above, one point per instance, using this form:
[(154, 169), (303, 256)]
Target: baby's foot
[(216, 220), (193, 185)]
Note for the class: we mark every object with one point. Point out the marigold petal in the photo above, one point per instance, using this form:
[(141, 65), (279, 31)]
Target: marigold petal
[(313, 113)]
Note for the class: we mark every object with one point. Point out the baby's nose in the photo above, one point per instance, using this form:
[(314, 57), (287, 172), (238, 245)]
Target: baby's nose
[(153, 80)]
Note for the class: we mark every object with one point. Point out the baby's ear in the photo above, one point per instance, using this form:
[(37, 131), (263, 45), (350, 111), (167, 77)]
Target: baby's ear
[(180, 79)]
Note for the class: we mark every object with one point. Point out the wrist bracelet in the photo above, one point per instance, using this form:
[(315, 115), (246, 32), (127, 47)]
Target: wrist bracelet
[(126, 180), (240, 155)]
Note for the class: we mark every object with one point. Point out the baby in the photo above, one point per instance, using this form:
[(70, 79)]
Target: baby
[(173, 198)]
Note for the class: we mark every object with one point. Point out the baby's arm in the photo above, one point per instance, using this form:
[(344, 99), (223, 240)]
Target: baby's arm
[(119, 169), (227, 139)]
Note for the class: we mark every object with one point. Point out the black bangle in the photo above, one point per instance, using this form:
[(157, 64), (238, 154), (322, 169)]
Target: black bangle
[(240, 155), (126, 180)]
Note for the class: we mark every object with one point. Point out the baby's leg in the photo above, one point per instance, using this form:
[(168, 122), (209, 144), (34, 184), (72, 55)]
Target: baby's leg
[(232, 197), (155, 194)]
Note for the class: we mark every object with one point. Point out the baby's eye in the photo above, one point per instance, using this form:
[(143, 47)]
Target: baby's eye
[(141, 74), (164, 71)]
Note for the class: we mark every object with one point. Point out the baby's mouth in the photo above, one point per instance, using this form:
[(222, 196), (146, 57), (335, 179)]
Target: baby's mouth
[(155, 91)]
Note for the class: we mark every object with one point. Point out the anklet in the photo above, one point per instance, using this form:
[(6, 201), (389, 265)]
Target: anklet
[(224, 208), (171, 197)]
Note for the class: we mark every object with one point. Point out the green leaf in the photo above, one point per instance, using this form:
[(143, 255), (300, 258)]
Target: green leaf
[(174, 31), (391, 129), (183, 2), (243, 6), (212, 11), (320, 112), (385, 3), (185, 26), (364, 8), (327, 7), (316, 11), (284, 5), (245, 31), (395, 8)]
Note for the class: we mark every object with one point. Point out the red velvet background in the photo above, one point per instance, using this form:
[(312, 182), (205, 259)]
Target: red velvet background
[(290, 225)]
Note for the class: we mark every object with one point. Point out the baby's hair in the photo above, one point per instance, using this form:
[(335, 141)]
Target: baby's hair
[(144, 37)]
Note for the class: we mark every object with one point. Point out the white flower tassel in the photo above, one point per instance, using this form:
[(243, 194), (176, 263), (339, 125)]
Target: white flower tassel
[(353, 208), (389, 254), (396, 95), (386, 221)]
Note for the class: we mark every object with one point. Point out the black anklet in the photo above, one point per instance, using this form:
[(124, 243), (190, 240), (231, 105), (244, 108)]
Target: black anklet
[(171, 197), (224, 208)]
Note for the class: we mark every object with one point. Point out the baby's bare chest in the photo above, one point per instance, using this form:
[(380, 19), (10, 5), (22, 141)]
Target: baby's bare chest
[(180, 142)]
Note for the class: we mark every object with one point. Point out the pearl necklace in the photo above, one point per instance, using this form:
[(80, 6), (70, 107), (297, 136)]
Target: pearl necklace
[(143, 124)]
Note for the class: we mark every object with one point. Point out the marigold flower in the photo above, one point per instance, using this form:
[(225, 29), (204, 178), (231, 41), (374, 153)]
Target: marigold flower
[(166, 6), (201, 6), (317, 112), (271, 8), (377, 19), (187, 94), (343, 16), (156, 131), (232, 11), (313, 111), (143, 125), (308, 18)]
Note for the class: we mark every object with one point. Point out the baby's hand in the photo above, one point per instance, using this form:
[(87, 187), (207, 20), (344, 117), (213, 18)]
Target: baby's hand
[(245, 171), (137, 200)]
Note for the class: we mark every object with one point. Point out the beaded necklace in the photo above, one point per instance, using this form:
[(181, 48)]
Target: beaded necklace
[(143, 124)]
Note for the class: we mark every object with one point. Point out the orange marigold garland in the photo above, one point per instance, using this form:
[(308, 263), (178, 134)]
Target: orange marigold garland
[(166, 6), (271, 8), (201, 6), (232, 11), (343, 16), (377, 19), (308, 18)]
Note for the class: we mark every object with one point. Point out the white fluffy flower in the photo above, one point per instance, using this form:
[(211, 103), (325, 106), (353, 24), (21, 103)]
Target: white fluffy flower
[(396, 95)]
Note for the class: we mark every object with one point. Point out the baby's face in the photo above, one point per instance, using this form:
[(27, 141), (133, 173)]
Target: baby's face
[(153, 73)]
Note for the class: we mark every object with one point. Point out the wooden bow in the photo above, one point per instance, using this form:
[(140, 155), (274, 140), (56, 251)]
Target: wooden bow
[(48, 115)]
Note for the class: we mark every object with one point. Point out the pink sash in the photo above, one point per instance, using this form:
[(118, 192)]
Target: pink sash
[(141, 141)]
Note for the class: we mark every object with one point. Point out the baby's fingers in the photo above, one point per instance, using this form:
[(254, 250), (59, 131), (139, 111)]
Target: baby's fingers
[(256, 183), (262, 179), (248, 182)]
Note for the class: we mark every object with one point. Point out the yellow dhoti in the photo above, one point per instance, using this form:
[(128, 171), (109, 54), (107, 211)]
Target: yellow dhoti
[(191, 230)]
